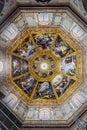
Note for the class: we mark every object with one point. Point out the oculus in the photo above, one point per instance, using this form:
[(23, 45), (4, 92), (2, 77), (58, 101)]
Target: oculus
[(43, 65), (46, 66)]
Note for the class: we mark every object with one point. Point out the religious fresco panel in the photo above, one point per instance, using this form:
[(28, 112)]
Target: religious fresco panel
[(26, 83), (44, 41), (44, 91), (61, 48), (19, 66), (61, 83), (26, 48), (68, 66)]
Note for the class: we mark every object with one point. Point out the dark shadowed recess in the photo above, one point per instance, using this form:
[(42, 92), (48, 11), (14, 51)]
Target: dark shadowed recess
[(2, 2), (85, 4)]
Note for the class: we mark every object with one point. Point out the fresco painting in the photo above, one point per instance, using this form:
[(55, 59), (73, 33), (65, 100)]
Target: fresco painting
[(68, 66), (61, 83), (43, 41), (26, 83), (19, 66), (44, 91), (61, 48), (26, 48)]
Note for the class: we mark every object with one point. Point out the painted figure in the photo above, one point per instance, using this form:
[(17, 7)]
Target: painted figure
[(44, 91), (68, 66), (26, 83), (26, 48), (28, 52), (61, 48), (19, 66), (44, 41), (61, 83)]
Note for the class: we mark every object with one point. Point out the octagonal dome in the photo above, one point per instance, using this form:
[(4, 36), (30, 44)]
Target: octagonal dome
[(46, 66), (43, 51)]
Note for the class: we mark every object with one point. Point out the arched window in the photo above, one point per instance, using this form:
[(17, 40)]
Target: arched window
[(78, 99), (44, 114), (10, 100)]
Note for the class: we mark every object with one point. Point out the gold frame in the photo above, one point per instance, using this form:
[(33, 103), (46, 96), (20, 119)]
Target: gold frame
[(78, 53)]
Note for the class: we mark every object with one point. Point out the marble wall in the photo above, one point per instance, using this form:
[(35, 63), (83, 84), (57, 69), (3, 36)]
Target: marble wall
[(28, 113)]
